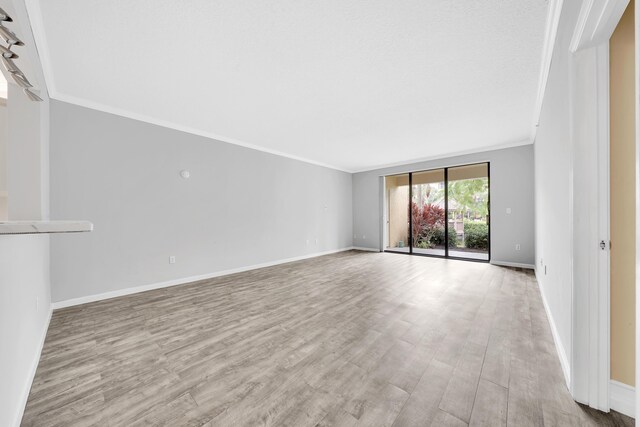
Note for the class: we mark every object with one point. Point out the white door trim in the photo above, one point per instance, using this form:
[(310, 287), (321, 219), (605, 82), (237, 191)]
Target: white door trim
[(623, 398), (590, 379), (601, 292), (597, 21)]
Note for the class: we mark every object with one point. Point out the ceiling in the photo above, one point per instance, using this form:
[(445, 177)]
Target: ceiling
[(349, 84)]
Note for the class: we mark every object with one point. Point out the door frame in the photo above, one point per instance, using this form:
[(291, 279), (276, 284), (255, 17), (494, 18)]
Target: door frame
[(590, 378)]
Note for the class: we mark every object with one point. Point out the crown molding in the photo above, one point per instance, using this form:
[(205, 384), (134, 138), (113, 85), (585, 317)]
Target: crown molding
[(447, 155), (186, 129), (551, 31)]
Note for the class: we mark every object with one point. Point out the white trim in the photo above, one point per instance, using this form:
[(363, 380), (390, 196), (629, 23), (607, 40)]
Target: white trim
[(551, 30), (24, 396), (589, 77), (601, 287), (180, 281), (513, 264), (622, 398), (518, 143), (579, 33), (562, 354), (590, 294), (596, 23)]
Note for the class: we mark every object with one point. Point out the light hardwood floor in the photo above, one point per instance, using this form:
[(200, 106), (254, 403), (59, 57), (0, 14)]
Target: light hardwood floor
[(347, 339)]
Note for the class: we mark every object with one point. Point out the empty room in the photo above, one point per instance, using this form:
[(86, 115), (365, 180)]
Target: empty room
[(319, 213)]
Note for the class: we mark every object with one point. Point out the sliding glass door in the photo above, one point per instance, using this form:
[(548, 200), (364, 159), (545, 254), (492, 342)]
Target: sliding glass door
[(427, 213), (468, 211), (397, 195), (441, 212)]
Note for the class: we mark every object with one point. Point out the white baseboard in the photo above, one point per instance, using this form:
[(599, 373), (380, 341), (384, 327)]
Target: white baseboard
[(513, 264), (362, 248), (622, 398), (134, 290), (32, 373), (562, 354)]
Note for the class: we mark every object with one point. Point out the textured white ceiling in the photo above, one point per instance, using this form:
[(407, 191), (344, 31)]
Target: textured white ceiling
[(346, 83)]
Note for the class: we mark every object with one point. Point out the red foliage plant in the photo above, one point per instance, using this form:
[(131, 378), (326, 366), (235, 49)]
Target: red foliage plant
[(426, 219)]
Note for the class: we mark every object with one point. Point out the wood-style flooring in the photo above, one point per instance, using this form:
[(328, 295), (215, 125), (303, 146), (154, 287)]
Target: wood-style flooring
[(354, 338)]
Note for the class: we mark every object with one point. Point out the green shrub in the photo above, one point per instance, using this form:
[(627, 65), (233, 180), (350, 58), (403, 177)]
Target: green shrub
[(438, 237), (422, 245), (476, 235)]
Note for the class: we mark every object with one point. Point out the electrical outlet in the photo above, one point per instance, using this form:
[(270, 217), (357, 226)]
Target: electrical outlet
[(508, 211), (172, 259), (307, 242), (364, 236), (316, 241), (518, 247)]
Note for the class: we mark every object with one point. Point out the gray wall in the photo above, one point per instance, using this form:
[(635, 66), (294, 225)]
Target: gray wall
[(29, 183), (511, 187), (241, 207)]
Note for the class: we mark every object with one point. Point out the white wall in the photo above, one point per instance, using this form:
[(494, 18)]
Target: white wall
[(240, 207), (3, 159), (25, 300), (554, 190), (25, 297), (24, 316), (511, 187)]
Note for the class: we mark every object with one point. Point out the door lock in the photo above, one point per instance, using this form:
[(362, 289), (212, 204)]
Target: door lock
[(603, 245)]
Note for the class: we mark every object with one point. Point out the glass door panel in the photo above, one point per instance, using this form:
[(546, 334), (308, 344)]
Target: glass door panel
[(428, 212), (397, 213), (468, 211)]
